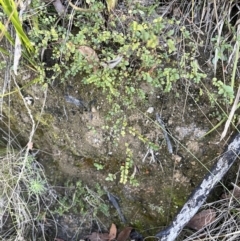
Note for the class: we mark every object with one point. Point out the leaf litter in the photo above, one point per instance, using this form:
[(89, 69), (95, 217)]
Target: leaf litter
[(112, 235)]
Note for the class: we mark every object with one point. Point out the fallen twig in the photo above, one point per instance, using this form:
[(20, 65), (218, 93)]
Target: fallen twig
[(199, 195)]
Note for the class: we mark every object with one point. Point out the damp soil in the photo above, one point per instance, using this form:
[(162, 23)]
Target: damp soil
[(71, 140)]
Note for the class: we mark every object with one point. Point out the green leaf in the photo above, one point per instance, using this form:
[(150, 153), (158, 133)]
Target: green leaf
[(6, 33), (98, 166), (4, 51), (110, 177), (9, 7), (170, 33), (171, 46), (228, 90), (152, 42)]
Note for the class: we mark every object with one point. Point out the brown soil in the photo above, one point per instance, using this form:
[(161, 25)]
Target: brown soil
[(71, 140)]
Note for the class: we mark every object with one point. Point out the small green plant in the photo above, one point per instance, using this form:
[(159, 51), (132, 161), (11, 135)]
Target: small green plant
[(224, 90), (124, 170), (133, 181), (147, 51), (25, 193), (37, 186), (158, 209), (111, 177), (81, 199), (98, 166), (222, 49)]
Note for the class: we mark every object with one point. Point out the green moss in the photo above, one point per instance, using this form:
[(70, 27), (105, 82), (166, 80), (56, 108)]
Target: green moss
[(178, 197), (45, 119)]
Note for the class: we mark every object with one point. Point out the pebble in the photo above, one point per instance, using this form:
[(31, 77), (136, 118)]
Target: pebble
[(150, 110)]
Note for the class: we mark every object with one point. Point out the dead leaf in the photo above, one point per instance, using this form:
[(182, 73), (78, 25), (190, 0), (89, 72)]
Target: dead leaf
[(88, 53), (202, 219), (98, 236), (112, 232), (124, 234), (235, 193)]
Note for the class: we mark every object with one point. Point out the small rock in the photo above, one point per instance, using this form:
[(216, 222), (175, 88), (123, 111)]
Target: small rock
[(93, 110), (176, 158), (150, 110), (170, 122)]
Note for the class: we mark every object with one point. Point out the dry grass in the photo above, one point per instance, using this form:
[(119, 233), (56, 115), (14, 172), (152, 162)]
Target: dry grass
[(25, 195), (218, 20), (227, 222), (215, 27)]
